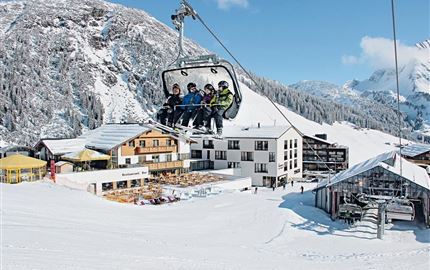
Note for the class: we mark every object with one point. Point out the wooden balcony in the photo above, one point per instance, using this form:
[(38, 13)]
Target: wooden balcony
[(154, 149), (164, 165)]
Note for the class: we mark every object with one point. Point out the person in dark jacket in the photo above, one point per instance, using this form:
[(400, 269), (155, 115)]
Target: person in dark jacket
[(190, 103), (219, 104), (204, 111), (169, 114)]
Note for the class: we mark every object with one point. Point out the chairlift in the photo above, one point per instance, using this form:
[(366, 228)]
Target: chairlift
[(400, 209), (200, 69)]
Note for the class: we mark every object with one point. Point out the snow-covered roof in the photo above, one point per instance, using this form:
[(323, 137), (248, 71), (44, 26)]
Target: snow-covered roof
[(271, 132), (108, 136), (414, 150), (61, 163), (389, 161), (63, 146), (319, 139)]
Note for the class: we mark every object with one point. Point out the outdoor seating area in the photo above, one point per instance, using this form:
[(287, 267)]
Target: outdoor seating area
[(188, 179), (17, 168), (151, 191)]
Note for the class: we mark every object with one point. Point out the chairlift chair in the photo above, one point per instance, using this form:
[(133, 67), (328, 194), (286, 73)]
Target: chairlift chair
[(200, 69)]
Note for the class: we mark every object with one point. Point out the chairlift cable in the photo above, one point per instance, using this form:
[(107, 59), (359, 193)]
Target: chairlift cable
[(253, 80), (398, 94)]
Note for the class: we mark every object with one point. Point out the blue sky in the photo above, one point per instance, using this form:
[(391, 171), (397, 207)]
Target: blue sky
[(293, 40)]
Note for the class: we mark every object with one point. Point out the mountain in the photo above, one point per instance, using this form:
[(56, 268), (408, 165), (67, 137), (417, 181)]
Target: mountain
[(67, 66), (414, 85)]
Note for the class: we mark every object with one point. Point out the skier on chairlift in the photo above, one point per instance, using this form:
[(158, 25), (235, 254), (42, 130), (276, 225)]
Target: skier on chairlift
[(191, 103), (170, 113), (219, 104), (204, 111)]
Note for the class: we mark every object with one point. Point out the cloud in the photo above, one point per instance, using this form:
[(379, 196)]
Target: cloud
[(226, 4), (379, 53)]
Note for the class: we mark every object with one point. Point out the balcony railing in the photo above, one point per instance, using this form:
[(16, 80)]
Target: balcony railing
[(164, 165), (154, 149)]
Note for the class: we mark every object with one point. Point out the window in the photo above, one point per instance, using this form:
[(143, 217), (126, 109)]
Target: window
[(131, 143), (272, 157), (208, 154), (221, 155), (285, 155), (233, 165), (142, 143), (127, 161), (295, 143), (196, 153), (155, 143), (291, 164), (233, 145), (169, 142), (285, 166), (291, 144), (169, 157), (260, 167), (261, 145), (291, 153), (295, 153), (155, 158), (142, 159), (208, 144), (285, 144), (295, 163), (247, 156)]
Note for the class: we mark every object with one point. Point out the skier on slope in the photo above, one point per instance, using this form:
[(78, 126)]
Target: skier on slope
[(190, 103), (219, 104), (170, 113)]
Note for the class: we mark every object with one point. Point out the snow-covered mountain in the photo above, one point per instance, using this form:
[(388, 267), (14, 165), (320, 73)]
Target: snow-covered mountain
[(71, 65), (380, 89)]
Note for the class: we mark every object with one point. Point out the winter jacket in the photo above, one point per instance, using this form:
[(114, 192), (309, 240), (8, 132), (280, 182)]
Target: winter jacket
[(172, 101), (191, 99), (207, 99), (222, 100)]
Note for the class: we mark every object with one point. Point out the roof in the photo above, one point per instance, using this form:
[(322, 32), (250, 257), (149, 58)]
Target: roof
[(414, 150), (63, 146), (319, 139), (61, 163), (15, 148), (85, 155), (389, 161), (109, 136), (15, 162), (270, 132)]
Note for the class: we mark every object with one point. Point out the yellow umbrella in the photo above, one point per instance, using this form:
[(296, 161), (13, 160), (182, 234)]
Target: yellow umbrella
[(85, 155)]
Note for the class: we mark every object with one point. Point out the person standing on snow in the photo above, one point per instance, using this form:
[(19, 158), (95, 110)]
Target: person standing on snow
[(204, 111), (190, 103), (301, 188), (219, 104), (170, 113)]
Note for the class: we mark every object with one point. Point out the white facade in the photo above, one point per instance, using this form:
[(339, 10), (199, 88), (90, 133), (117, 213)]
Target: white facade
[(283, 144)]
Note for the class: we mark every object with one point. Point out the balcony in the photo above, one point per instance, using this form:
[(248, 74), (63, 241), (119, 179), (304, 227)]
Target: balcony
[(164, 165), (154, 149)]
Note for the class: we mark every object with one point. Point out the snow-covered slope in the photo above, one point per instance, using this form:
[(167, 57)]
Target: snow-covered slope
[(50, 227), (363, 143)]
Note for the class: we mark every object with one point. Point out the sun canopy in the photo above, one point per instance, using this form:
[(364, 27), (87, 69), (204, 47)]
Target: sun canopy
[(85, 155), (18, 162)]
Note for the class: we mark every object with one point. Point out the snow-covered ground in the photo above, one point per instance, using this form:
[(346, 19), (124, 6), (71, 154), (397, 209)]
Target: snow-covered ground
[(45, 226), (363, 143)]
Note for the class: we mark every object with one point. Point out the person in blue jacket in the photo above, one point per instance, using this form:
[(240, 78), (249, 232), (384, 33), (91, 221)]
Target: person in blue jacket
[(190, 103)]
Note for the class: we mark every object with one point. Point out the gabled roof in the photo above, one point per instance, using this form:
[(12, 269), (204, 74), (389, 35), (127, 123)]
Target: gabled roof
[(109, 136), (269, 132), (414, 150), (389, 161), (63, 146)]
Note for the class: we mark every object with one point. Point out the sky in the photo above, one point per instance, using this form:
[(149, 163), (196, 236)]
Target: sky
[(294, 40)]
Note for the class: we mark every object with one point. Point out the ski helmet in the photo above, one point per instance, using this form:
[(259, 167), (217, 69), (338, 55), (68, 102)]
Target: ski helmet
[(223, 85), (209, 87), (191, 85)]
